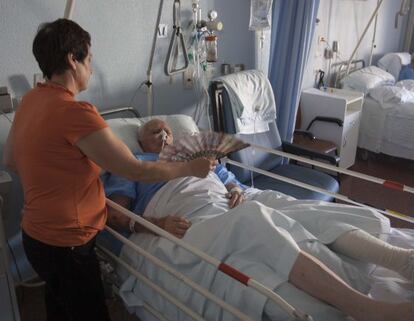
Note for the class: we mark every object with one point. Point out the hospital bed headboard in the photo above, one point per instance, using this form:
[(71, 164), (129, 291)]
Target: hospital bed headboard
[(20, 267), (127, 128), (14, 204), (339, 69), (120, 112)]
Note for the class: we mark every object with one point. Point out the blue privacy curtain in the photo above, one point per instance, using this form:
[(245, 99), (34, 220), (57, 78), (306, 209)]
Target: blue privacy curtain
[(293, 24)]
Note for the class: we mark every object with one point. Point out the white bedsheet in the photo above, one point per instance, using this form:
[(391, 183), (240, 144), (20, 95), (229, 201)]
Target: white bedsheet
[(260, 241), (387, 130)]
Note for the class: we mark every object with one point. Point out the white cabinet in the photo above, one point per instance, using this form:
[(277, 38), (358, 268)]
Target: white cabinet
[(334, 103)]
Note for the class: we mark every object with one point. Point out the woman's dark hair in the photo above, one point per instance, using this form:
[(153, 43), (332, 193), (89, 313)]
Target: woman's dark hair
[(54, 41)]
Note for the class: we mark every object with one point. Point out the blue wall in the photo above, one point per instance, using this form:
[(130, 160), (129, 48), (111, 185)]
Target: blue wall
[(121, 40)]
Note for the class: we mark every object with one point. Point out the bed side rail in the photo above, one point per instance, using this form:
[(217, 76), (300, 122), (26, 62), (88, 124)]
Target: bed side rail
[(119, 111), (222, 267)]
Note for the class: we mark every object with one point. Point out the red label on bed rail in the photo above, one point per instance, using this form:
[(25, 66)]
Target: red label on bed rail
[(394, 185), (235, 274)]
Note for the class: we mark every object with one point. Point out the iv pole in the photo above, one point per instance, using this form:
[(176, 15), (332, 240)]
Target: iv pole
[(70, 5), (148, 83), (363, 35), (373, 39)]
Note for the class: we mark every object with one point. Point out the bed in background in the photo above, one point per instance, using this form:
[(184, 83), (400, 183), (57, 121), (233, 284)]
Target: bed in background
[(387, 120)]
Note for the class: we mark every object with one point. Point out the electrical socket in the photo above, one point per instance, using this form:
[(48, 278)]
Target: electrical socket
[(37, 77), (321, 39), (162, 31), (188, 78)]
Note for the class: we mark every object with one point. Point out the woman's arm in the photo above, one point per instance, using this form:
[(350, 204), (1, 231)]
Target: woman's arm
[(110, 153)]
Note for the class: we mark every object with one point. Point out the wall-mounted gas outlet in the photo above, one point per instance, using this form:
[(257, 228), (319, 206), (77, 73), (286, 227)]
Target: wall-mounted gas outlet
[(37, 77), (321, 39), (162, 31), (188, 78)]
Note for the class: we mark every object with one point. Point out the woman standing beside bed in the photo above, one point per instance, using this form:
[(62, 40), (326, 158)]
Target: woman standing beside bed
[(58, 146)]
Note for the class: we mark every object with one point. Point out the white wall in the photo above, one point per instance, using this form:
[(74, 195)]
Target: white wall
[(121, 40), (345, 21)]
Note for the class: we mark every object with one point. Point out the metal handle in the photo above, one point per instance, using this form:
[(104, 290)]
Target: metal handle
[(177, 40)]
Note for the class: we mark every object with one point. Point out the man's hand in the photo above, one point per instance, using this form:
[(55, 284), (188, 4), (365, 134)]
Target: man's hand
[(175, 225), (200, 167), (235, 196)]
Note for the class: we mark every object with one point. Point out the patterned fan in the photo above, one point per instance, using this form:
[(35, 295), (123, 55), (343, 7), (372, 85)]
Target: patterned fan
[(203, 144)]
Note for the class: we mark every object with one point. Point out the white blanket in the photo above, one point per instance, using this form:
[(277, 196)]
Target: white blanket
[(252, 101), (260, 237)]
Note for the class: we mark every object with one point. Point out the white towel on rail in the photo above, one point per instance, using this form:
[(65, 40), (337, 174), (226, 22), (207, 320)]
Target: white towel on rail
[(252, 101)]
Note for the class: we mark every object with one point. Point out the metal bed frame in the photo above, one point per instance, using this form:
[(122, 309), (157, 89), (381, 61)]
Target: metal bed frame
[(107, 256), (342, 69)]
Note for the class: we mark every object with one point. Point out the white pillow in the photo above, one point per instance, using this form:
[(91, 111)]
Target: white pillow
[(407, 84), (367, 78), (127, 128), (392, 62)]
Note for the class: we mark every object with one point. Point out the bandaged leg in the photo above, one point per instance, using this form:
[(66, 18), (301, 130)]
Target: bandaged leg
[(364, 247), (314, 278)]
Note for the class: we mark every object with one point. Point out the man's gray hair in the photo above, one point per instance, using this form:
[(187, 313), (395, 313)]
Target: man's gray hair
[(140, 132)]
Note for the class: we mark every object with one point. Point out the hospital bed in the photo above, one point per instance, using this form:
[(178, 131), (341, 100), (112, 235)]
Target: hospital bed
[(143, 299), (387, 120), (140, 296)]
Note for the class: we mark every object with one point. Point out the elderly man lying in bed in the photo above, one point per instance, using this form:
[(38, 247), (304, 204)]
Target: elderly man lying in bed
[(299, 248)]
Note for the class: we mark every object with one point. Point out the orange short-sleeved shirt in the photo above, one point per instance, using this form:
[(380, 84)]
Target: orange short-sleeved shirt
[(64, 201)]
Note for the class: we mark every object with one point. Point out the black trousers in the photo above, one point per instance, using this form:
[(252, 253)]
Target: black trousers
[(74, 290)]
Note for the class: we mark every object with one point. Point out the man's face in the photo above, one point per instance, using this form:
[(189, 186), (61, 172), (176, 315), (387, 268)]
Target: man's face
[(151, 136)]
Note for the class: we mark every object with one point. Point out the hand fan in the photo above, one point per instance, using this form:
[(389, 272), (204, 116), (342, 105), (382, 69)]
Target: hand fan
[(203, 144)]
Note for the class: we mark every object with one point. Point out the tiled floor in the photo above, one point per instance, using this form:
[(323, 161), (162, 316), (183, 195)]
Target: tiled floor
[(385, 167), (32, 307), (31, 299)]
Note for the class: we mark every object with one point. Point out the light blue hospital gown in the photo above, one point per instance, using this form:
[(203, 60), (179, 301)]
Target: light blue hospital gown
[(407, 72)]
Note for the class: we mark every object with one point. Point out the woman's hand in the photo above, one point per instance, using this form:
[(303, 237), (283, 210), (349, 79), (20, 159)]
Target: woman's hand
[(235, 196), (175, 225), (200, 167)]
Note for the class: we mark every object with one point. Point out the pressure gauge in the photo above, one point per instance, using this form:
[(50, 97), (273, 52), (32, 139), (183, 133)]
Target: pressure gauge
[(212, 15)]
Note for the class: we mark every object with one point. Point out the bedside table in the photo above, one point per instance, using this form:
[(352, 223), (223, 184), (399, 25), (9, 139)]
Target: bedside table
[(344, 105)]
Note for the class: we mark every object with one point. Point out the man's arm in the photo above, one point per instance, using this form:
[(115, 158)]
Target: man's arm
[(116, 219), (235, 194), (233, 186), (174, 225)]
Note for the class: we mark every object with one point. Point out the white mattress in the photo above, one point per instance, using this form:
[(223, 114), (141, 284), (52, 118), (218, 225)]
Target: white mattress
[(388, 131)]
